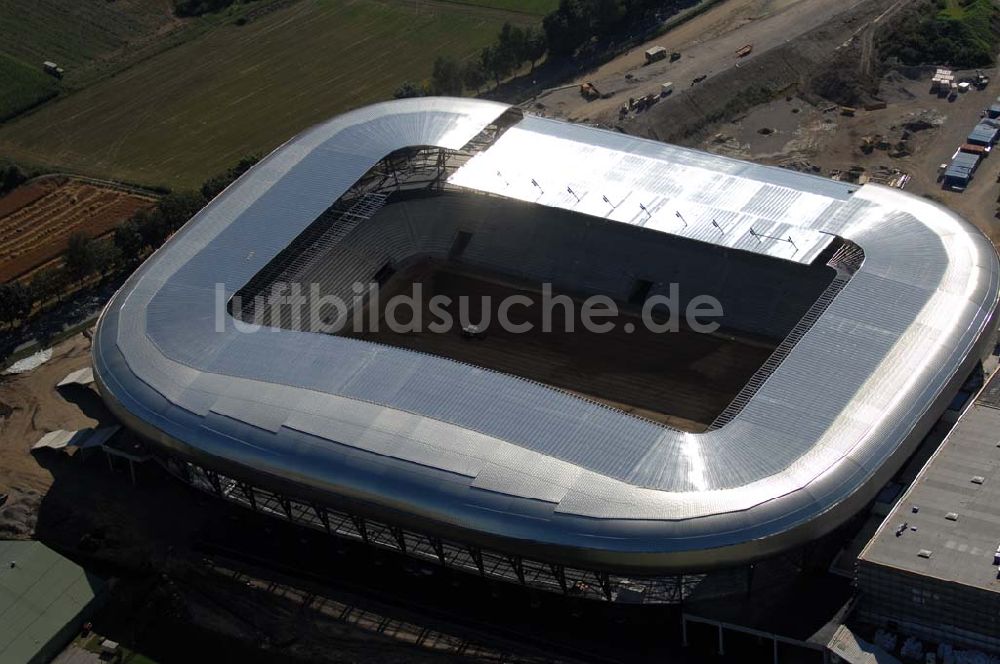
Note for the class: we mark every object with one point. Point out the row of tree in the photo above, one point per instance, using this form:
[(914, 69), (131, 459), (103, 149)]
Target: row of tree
[(514, 47), (576, 22), (85, 257), (567, 29)]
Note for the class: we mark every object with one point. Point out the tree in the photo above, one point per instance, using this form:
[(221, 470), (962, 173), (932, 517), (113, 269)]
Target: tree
[(11, 177), (494, 63), (47, 283), (511, 46), (213, 186), (107, 256), (568, 27), (608, 14), (129, 241), (535, 46), (15, 302), (80, 258), (176, 209), (473, 75), (407, 90), (446, 78)]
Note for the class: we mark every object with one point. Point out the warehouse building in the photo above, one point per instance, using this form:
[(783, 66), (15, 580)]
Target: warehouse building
[(933, 568)]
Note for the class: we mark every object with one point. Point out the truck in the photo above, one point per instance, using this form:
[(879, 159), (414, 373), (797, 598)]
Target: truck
[(744, 51), (666, 89), (655, 53), (52, 69)]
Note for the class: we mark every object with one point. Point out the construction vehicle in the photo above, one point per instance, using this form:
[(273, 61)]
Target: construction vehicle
[(589, 91), (744, 51), (655, 53)]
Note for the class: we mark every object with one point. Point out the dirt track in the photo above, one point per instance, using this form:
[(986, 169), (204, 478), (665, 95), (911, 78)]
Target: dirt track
[(707, 43)]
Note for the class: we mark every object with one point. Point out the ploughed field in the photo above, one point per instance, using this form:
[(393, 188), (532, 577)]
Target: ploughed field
[(683, 379), (37, 219)]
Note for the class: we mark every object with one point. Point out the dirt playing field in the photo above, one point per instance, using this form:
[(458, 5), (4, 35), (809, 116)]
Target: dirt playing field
[(683, 379), (37, 219)]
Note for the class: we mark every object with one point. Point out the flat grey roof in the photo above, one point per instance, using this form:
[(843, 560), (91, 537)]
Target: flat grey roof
[(962, 551), (39, 595), (482, 453)]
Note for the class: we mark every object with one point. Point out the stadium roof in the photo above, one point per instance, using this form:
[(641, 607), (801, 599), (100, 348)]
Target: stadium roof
[(506, 461), (596, 174)]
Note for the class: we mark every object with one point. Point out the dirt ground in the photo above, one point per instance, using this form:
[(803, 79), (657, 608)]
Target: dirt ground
[(794, 133), (707, 44), (30, 406)]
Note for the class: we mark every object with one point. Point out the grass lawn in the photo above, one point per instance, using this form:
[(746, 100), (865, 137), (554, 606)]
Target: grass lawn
[(192, 111), (23, 86)]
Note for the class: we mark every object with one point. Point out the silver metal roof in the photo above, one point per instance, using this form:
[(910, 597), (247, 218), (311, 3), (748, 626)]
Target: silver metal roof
[(562, 165), (485, 454)]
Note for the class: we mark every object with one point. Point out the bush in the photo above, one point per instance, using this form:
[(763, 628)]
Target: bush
[(199, 7), (962, 35), (15, 302), (11, 177)]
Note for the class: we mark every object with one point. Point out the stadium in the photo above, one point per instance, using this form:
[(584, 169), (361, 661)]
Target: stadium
[(575, 462)]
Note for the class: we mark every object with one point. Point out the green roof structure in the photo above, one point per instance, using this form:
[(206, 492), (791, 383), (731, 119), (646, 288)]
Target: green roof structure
[(44, 597)]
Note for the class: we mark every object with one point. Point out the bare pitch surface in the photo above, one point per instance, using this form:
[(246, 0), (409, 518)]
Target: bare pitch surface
[(683, 379)]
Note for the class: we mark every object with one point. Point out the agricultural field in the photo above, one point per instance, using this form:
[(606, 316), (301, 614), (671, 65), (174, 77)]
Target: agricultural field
[(22, 86), (192, 111), (536, 7), (37, 218), (87, 38)]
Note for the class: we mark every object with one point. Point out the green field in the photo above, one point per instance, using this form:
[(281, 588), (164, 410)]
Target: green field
[(192, 111), (22, 86), (85, 37), (536, 7)]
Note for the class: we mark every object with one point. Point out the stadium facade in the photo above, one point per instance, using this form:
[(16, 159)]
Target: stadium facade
[(880, 304)]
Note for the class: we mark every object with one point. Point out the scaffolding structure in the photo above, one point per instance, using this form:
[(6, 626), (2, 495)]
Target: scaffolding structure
[(511, 568)]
